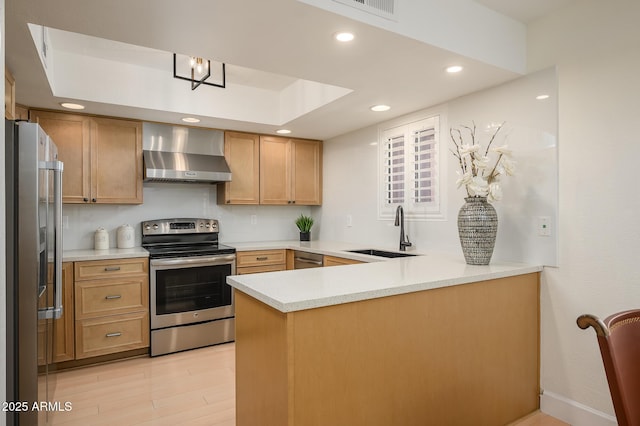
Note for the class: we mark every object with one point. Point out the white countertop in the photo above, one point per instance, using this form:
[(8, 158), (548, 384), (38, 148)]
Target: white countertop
[(112, 253), (289, 291)]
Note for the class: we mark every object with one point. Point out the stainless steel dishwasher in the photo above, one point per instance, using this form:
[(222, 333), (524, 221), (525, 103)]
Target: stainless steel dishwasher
[(303, 260)]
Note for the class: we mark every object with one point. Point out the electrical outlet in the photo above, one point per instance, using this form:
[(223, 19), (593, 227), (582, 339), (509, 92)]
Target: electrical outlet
[(349, 221), (544, 226), (254, 219), (65, 222)]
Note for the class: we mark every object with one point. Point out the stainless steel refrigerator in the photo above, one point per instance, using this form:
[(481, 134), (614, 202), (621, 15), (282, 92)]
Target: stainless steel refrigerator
[(33, 179)]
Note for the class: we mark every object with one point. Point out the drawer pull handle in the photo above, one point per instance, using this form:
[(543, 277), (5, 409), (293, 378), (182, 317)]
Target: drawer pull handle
[(262, 258), (117, 334), (111, 268), (112, 297)]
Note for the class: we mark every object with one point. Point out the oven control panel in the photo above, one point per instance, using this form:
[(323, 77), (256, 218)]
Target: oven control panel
[(179, 226)]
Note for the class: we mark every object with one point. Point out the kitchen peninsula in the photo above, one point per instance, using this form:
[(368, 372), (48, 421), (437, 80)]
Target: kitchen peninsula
[(424, 340)]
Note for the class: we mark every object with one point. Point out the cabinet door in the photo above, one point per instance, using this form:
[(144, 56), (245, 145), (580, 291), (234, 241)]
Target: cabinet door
[(275, 170), (9, 95), (63, 334), (307, 172), (22, 112), (71, 134), (242, 152), (116, 159), (63, 328)]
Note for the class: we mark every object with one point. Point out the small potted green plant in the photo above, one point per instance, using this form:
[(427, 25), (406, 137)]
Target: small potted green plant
[(304, 224)]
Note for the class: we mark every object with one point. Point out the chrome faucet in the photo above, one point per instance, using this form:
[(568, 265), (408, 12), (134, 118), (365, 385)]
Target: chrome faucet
[(404, 243)]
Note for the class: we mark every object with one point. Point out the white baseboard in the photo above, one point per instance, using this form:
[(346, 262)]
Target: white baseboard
[(573, 412)]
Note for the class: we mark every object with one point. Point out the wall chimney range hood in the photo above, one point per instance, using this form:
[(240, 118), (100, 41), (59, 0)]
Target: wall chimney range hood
[(183, 154)]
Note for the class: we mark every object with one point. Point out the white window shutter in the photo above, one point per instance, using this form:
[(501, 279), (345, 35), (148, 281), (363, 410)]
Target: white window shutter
[(409, 170)]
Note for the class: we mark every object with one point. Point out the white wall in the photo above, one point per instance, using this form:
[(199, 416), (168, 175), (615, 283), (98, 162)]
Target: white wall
[(350, 175), (596, 49), (170, 200)]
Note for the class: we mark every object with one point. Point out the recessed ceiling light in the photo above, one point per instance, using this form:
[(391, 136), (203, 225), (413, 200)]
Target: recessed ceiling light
[(70, 105), (191, 120), (454, 69), (542, 97), (344, 36), (380, 108), (283, 131)]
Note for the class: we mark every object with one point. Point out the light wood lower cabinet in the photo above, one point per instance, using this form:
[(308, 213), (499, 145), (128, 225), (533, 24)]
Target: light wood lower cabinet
[(251, 262), (110, 334), (97, 298), (338, 261), (409, 359), (63, 328), (112, 306)]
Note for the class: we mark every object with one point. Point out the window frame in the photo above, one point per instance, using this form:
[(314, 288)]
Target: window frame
[(433, 210)]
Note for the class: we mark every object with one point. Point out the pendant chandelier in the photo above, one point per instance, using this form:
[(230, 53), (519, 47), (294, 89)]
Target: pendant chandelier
[(200, 72)]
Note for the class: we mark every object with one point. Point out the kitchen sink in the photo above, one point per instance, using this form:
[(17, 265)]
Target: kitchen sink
[(381, 253)]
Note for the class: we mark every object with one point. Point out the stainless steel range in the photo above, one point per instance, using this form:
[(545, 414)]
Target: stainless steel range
[(191, 304)]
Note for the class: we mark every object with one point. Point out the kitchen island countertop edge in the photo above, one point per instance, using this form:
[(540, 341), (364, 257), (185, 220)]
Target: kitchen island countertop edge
[(295, 290)]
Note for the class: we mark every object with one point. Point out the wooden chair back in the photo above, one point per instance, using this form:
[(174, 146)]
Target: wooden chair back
[(619, 340)]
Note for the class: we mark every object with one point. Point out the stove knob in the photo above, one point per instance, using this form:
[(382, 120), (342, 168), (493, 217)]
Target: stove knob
[(207, 224), (147, 227), (201, 225), (155, 226)]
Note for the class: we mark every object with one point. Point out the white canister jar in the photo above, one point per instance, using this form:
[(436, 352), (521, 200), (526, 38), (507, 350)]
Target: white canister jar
[(124, 236), (101, 239)]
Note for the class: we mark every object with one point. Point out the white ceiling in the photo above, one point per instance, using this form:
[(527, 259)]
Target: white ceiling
[(267, 45), (524, 10)]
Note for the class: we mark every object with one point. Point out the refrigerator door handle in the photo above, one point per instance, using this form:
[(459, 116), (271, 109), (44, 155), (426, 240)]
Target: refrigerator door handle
[(55, 312), (57, 256)]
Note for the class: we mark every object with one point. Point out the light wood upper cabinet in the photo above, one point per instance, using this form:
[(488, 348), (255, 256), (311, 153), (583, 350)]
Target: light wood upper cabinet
[(9, 95), (102, 157), (307, 172), (22, 112), (71, 134), (116, 161), (242, 152), (290, 171), (275, 170)]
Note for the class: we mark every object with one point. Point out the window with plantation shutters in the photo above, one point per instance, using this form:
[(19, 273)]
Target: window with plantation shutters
[(409, 170), (394, 170)]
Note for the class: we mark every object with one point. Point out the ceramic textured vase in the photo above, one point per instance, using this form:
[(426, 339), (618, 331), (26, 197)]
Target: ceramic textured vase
[(477, 227)]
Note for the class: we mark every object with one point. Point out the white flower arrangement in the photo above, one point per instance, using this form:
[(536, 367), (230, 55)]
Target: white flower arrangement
[(479, 174)]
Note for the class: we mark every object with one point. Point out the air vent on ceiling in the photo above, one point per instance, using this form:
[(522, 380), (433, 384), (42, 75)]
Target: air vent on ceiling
[(384, 8)]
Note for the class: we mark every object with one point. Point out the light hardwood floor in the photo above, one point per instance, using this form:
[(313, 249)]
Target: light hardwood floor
[(194, 388)]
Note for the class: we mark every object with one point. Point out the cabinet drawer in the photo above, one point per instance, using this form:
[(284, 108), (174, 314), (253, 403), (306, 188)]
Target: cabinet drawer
[(96, 298), (260, 257), (257, 269), (116, 333), (337, 261), (95, 269)]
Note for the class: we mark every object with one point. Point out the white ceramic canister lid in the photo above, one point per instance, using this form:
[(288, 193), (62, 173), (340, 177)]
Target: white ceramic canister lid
[(125, 237), (101, 238)]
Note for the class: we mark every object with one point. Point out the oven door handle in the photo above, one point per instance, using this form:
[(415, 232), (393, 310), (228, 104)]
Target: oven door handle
[(195, 260)]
